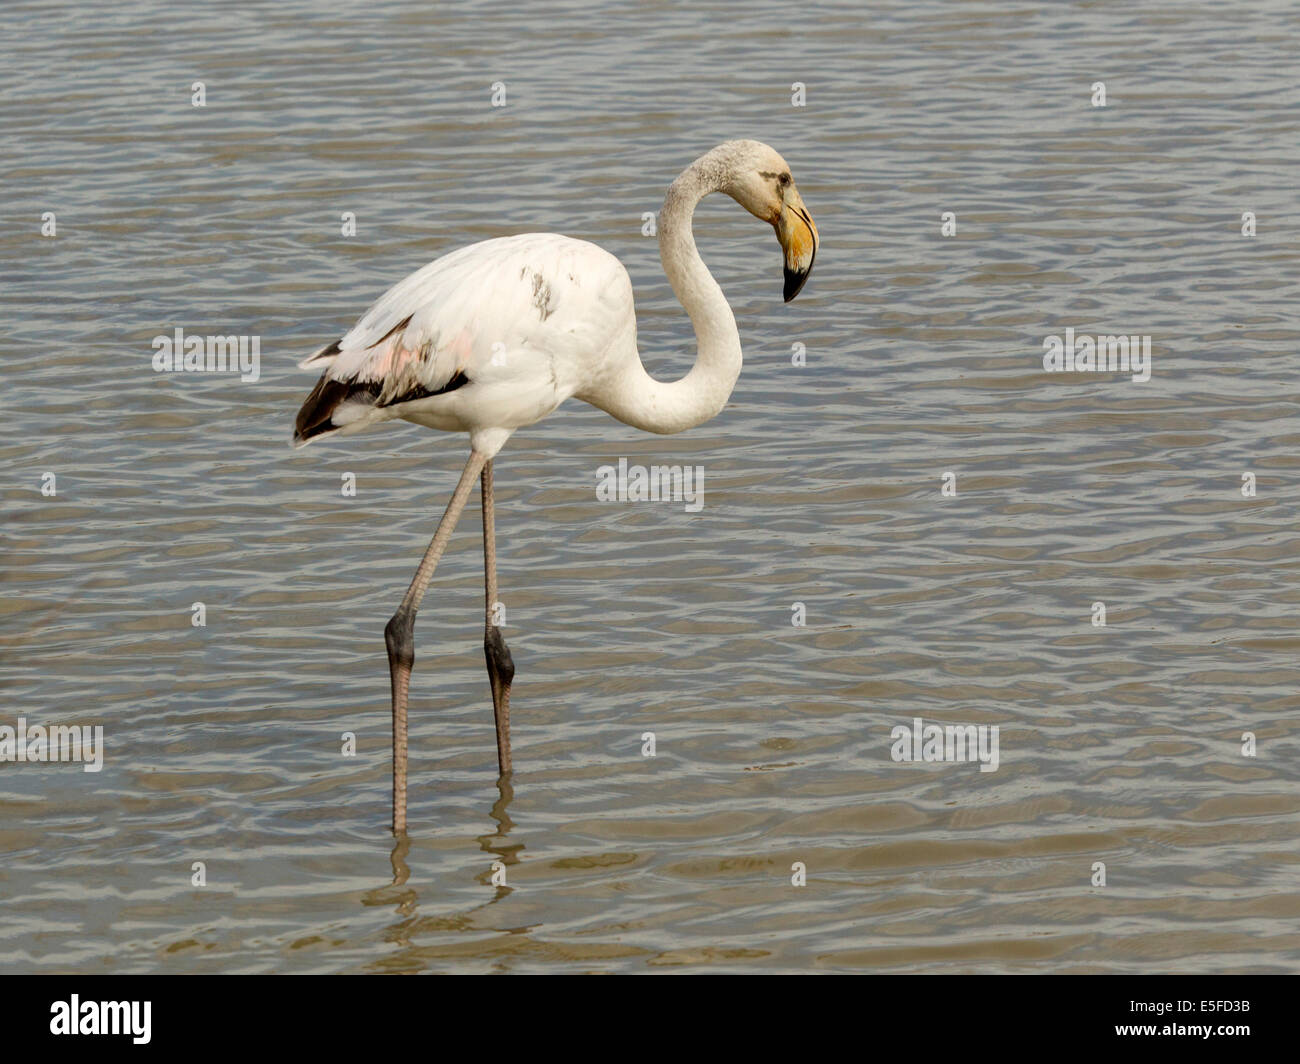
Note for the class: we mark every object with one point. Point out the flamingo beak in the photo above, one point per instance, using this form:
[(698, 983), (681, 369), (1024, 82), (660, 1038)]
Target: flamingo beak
[(798, 236)]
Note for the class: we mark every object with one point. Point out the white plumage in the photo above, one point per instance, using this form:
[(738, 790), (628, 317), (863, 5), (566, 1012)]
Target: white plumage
[(524, 321)]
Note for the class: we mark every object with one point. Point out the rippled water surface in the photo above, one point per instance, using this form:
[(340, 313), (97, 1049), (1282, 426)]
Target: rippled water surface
[(1119, 744)]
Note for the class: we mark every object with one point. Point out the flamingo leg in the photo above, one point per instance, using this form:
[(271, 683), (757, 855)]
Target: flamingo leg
[(500, 666), (399, 633)]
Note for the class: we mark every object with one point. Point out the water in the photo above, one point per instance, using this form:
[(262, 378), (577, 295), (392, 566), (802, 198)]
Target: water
[(1119, 744)]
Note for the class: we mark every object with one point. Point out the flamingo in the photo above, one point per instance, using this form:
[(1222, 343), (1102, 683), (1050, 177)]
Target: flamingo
[(498, 334)]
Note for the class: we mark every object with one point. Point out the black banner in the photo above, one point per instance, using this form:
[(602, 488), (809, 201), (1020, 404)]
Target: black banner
[(1227, 1014)]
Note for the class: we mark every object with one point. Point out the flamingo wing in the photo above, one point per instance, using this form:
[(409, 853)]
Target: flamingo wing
[(448, 325)]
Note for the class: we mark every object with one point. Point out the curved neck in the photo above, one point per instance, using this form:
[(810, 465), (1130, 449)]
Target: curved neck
[(634, 396)]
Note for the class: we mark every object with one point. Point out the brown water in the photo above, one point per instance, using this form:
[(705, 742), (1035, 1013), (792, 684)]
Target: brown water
[(1119, 744)]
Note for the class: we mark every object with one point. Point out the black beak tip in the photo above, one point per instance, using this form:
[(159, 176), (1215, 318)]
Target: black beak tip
[(794, 281)]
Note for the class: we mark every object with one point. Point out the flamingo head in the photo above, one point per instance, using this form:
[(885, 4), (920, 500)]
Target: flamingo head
[(760, 181)]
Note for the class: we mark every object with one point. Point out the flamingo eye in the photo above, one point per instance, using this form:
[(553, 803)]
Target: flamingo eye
[(783, 180)]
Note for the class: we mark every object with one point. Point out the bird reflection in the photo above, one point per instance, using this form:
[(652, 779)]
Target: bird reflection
[(406, 929), (495, 842)]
